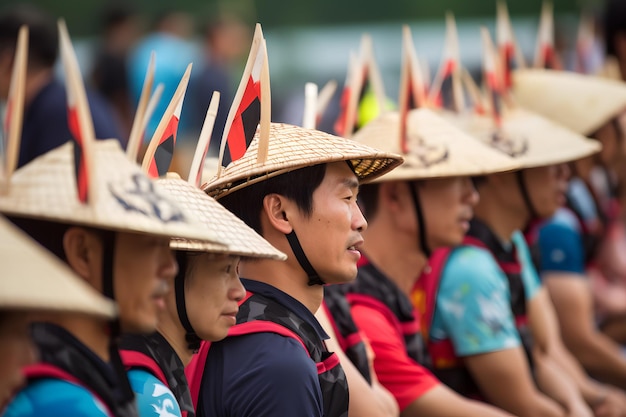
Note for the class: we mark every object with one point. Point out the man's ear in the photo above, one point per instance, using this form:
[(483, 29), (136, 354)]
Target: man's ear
[(275, 208), (389, 196), (81, 251)]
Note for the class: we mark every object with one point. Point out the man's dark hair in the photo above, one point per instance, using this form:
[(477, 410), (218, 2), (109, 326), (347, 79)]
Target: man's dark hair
[(614, 23), (47, 234), (42, 37), (297, 186)]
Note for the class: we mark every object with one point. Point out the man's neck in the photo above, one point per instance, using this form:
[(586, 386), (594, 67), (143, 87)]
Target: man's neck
[(171, 329), (287, 276), (89, 331), (502, 220), (395, 254)]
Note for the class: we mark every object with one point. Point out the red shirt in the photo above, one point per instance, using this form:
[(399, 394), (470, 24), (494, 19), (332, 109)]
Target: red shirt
[(396, 371)]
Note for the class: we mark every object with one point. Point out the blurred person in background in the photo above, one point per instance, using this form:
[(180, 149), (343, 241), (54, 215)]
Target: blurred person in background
[(45, 114)]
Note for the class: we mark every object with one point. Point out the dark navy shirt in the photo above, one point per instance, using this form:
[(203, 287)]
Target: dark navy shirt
[(46, 127), (262, 374)]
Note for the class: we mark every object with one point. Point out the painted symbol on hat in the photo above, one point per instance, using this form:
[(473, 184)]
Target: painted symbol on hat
[(140, 196), (511, 145), (424, 155)]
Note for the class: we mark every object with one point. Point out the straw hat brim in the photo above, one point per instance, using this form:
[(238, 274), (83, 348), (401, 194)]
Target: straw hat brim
[(437, 149), (124, 198), (292, 147), (239, 238), (582, 103), (533, 141), (34, 279)]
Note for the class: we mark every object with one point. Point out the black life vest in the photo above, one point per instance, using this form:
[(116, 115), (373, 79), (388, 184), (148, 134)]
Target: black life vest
[(155, 355), (376, 291), (445, 364), (269, 316), (63, 357), (348, 336)]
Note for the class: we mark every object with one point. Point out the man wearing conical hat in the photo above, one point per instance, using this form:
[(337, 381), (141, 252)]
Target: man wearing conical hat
[(579, 247), (501, 323), (431, 186), (34, 281), (297, 188), (94, 209), (203, 305)]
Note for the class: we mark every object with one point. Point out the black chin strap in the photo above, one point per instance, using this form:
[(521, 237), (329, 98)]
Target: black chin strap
[(525, 195), (421, 222), (108, 290), (193, 341), (314, 278)]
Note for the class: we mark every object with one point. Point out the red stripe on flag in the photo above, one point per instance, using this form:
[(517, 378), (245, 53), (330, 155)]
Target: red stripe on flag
[(340, 123), (508, 54), (237, 142), (170, 131)]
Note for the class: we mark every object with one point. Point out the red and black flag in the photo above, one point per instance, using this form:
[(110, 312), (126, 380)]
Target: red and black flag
[(245, 113), (446, 89), (15, 106), (510, 54), (545, 53), (79, 116), (363, 78), (160, 152)]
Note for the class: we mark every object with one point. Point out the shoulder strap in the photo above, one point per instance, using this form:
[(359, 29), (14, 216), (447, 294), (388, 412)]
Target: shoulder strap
[(133, 359), (47, 371), (195, 370), (426, 288)]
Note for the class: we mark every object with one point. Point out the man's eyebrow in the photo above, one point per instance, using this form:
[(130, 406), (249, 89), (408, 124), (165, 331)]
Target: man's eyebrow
[(351, 183)]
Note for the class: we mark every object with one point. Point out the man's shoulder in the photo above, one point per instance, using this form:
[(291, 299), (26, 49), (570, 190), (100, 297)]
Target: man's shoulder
[(55, 397), (152, 396)]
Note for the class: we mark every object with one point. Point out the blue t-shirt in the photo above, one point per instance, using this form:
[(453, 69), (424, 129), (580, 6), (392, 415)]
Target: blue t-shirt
[(263, 374), (560, 244), (154, 399), (55, 398), (473, 306)]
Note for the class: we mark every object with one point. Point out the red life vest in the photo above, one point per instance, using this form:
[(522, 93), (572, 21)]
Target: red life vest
[(275, 318), (445, 364)]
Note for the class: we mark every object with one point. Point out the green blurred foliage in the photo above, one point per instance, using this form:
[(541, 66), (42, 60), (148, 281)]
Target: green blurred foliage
[(83, 15)]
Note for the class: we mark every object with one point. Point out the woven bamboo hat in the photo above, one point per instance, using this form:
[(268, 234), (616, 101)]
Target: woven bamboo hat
[(253, 149), (34, 279), (238, 238), (88, 182), (583, 103), (530, 139)]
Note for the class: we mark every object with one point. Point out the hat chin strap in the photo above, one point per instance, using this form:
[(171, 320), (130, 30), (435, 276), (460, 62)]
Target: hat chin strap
[(421, 221), (314, 278), (108, 290), (519, 175), (193, 341)]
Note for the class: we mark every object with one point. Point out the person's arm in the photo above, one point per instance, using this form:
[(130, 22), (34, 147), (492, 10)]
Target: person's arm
[(598, 354), (485, 335), (365, 400), (441, 401)]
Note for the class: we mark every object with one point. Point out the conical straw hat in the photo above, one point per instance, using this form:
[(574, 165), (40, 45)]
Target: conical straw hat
[(238, 237), (292, 147), (126, 198), (531, 140), (34, 279), (583, 103), (436, 149)]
